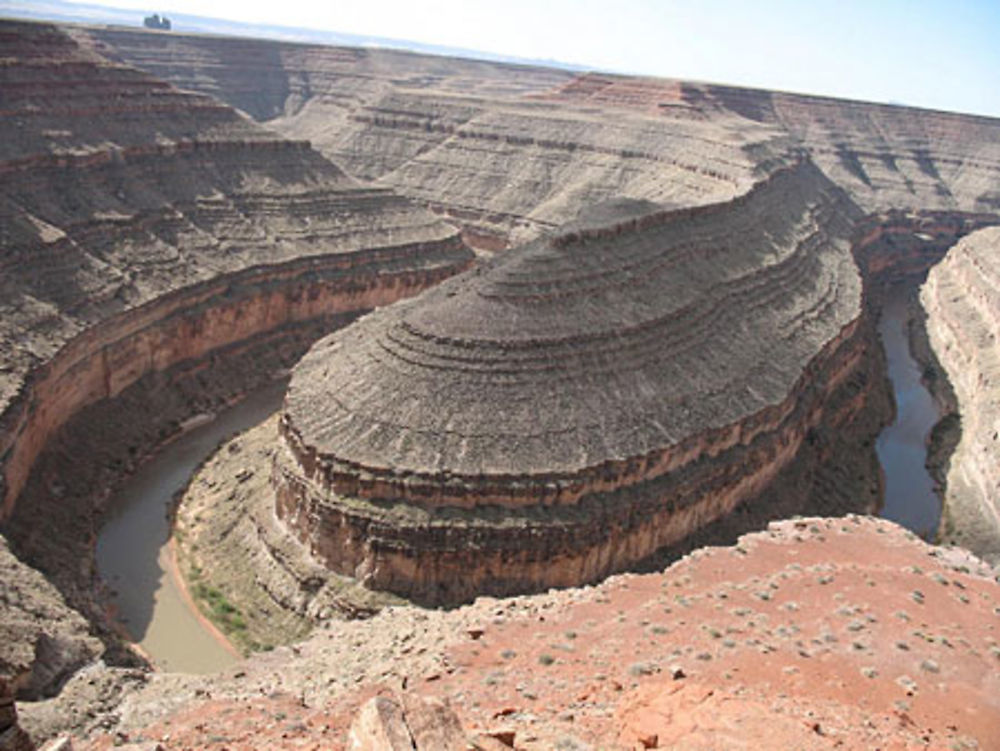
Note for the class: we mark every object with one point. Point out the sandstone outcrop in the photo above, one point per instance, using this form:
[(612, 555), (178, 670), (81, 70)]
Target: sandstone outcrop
[(145, 226), (822, 633), (962, 300), (567, 411), (407, 724)]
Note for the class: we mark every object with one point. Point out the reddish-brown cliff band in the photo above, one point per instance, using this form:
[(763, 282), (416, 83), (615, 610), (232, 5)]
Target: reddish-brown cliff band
[(190, 323)]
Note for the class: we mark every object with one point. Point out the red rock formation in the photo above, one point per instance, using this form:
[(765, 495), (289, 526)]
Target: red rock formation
[(818, 634)]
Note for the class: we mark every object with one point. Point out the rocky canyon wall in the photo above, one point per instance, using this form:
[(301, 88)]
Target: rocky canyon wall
[(478, 142), (510, 152), (582, 403), (962, 301), (144, 227), (899, 245)]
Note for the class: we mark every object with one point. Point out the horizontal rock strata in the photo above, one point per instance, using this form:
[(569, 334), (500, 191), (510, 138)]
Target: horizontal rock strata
[(145, 226), (900, 245), (885, 156), (566, 411), (481, 143), (512, 151), (962, 301)]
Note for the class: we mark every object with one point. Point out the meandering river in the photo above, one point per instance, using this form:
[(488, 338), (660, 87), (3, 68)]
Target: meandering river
[(910, 499), (133, 555)]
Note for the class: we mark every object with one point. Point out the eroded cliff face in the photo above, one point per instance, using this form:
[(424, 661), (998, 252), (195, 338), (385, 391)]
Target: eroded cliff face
[(510, 152), (885, 156), (902, 246), (603, 394), (145, 227), (962, 301), (481, 143)]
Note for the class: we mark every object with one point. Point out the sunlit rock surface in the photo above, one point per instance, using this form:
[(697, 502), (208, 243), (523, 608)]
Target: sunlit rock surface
[(962, 300), (579, 403)]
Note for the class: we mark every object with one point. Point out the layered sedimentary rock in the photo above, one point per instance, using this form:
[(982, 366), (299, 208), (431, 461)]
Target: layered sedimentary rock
[(885, 156), (570, 409), (899, 245), (479, 142), (962, 301), (512, 151), (144, 226)]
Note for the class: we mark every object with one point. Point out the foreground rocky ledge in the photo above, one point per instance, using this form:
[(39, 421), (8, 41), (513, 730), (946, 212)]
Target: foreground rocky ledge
[(962, 301), (818, 634)]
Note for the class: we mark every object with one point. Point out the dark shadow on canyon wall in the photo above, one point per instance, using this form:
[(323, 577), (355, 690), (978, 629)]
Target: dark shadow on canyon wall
[(835, 473)]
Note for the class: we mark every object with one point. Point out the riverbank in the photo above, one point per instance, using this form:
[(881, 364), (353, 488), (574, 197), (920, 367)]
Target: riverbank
[(946, 433), (256, 582), (134, 555), (98, 452), (230, 542)]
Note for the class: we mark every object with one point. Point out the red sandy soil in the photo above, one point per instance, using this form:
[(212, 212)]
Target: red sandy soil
[(818, 634)]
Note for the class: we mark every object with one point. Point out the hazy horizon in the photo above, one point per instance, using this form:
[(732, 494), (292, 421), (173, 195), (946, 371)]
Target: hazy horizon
[(923, 53)]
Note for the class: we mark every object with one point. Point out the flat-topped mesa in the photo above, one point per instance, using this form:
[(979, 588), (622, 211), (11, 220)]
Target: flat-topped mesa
[(144, 226), (576, 405)]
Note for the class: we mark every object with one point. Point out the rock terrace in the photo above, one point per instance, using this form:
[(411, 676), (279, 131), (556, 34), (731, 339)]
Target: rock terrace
[(561, 382)]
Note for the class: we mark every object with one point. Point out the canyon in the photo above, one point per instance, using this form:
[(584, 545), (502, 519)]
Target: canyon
[(146, 231), (669, 330), (602, 393)]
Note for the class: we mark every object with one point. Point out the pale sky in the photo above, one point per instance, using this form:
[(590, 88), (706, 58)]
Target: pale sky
[(933, 53)]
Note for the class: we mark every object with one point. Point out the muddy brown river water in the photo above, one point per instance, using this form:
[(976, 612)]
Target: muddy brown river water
[(133, 550)]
